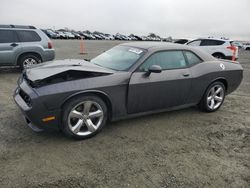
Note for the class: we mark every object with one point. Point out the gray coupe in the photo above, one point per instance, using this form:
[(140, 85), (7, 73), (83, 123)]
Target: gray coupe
[(132, 79)]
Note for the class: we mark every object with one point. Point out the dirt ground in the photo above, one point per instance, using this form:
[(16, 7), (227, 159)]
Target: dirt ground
[(185, 148)]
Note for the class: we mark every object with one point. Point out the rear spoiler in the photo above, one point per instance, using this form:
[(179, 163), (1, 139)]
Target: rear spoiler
[(230, 61)]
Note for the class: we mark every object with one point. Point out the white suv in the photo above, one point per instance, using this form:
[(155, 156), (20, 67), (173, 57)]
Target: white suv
[(219, 48), (246, 46)]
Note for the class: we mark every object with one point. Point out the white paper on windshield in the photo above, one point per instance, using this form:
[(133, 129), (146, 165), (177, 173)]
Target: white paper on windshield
[(134, 50)]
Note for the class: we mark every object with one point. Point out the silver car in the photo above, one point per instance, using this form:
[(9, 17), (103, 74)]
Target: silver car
[(24, 46)]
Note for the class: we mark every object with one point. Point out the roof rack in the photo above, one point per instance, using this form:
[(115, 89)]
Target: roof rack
[(18, 26)]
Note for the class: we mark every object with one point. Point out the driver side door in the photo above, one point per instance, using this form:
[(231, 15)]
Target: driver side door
[(162, 90)]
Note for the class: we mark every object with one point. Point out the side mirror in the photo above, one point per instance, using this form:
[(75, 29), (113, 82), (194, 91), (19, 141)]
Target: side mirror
[(154, 69)]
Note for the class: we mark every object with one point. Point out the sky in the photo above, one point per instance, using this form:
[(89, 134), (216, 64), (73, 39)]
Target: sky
[(177, 18)]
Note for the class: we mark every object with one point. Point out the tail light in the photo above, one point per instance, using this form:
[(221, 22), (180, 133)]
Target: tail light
[(50, 45)]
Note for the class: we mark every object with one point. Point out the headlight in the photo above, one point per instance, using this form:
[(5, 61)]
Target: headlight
[(25, 97)]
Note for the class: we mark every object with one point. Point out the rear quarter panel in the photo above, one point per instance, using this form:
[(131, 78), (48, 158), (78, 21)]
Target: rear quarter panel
[(207, 72), (38, 47)]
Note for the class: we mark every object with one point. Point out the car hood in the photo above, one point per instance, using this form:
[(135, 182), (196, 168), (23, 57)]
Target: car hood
[(63, 70)]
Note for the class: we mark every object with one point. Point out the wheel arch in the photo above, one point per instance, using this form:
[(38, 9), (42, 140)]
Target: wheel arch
[(222, 80), (219, 53), (100, 94), (28, 53)]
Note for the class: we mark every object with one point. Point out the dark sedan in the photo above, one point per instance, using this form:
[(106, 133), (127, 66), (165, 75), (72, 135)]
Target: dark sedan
[(132, 79)]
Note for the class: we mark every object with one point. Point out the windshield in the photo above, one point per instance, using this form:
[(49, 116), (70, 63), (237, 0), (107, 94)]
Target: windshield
[(119, 58)]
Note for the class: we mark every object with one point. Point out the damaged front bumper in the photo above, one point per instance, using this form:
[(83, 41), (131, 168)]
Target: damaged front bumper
[(33, 110)]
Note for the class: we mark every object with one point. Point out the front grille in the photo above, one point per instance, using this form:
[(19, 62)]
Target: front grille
[(25, 97)]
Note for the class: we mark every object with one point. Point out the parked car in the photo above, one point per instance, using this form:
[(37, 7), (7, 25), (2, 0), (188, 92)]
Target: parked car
[(246, 46), (133, 37), (61, 35), (132, 79), (118, 37), (24, 46), (77, 35), (89, 35), (82, 35), (50, 33), (181, 41), (237, 44), (69, 35), (126, 37), (110, 37), (145, 38), (85, 35), (138, 37), (97, 36), (219, 48), (104, 36)]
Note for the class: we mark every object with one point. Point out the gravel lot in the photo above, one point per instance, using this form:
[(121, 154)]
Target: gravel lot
[(185, 148)]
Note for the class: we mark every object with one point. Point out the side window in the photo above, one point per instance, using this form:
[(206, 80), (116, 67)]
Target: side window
[(166, 60), (8, 36), (192, 58), (28, 36), (209, 42), (194, 43)]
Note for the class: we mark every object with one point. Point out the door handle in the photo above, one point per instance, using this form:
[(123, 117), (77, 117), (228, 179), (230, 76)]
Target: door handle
[(186, 74), (14, 44)]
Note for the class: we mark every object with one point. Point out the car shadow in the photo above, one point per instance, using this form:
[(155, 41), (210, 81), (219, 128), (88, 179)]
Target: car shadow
[(10, 70), (112, 127), (149, 117)]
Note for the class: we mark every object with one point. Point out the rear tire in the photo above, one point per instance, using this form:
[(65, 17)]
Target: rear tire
[(219, 56), (213, 98), (27, 61), (84, 116)]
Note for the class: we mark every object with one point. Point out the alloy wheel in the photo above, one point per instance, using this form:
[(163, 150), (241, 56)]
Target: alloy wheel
[(85, 118), (29, 62), (215, 97)]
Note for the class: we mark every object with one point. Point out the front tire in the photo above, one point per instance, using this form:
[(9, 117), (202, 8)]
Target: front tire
[(84, 116), (213, 97)]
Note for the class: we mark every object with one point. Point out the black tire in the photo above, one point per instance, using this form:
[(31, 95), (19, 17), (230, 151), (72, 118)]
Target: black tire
[(22, 60), (204, 104), (70, 105), (219, 56), (247, 48)]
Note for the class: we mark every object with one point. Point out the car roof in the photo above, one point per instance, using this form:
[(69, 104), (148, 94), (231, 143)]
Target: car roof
[(224, 40), (155, 45), (17, 26), (18, 29), (158, 46)]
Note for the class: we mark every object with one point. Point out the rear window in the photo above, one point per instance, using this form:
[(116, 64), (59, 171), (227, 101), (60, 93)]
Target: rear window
[(192, 58), (211, 42), (28, 36), (194, 43), (8, 36)]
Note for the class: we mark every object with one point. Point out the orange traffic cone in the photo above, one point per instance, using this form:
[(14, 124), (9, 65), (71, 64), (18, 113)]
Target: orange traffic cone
[(234, 54), (82, 47)]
